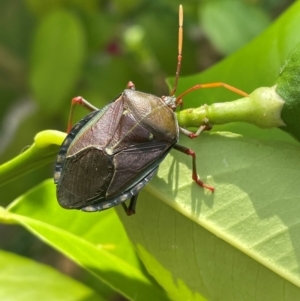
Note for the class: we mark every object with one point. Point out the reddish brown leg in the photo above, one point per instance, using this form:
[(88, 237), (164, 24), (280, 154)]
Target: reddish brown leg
[(207, 86), (192, 135), (195, 177), (82, 102)]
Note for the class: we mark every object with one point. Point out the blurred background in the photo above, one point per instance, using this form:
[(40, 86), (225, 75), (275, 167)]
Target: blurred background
[(51, 51)]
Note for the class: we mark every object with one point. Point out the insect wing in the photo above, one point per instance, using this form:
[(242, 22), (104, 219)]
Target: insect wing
[(127, 194), (62, 154), (99, 130), (134, 150), (83, 170), (85, 178), (134, 163)]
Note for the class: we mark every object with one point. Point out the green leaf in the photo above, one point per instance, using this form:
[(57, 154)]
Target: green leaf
[(241, 240), (229, 24), (23, 279), (97, 242), (59, 45)]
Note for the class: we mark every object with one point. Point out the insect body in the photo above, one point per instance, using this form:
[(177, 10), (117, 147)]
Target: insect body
[(112, 153)]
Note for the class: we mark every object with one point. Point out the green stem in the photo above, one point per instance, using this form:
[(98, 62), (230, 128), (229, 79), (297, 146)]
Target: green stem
[(262, 107), (42, 151)]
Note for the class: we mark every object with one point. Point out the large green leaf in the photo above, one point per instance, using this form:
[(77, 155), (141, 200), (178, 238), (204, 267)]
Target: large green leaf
[(230, 243), (97, 242), (22, 279)]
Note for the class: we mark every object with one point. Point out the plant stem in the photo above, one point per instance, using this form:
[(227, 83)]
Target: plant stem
[(262, 108), (42, 151)]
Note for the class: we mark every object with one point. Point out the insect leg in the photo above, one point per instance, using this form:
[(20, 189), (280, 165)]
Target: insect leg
[(192, 135), (130, 210), (78, 101), (207, 86), (195, 177)]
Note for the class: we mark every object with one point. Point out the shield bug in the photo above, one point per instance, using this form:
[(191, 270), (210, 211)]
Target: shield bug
[(112, 153)]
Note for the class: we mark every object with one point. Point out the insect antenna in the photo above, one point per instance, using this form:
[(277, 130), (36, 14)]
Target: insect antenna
[(179, 57)]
